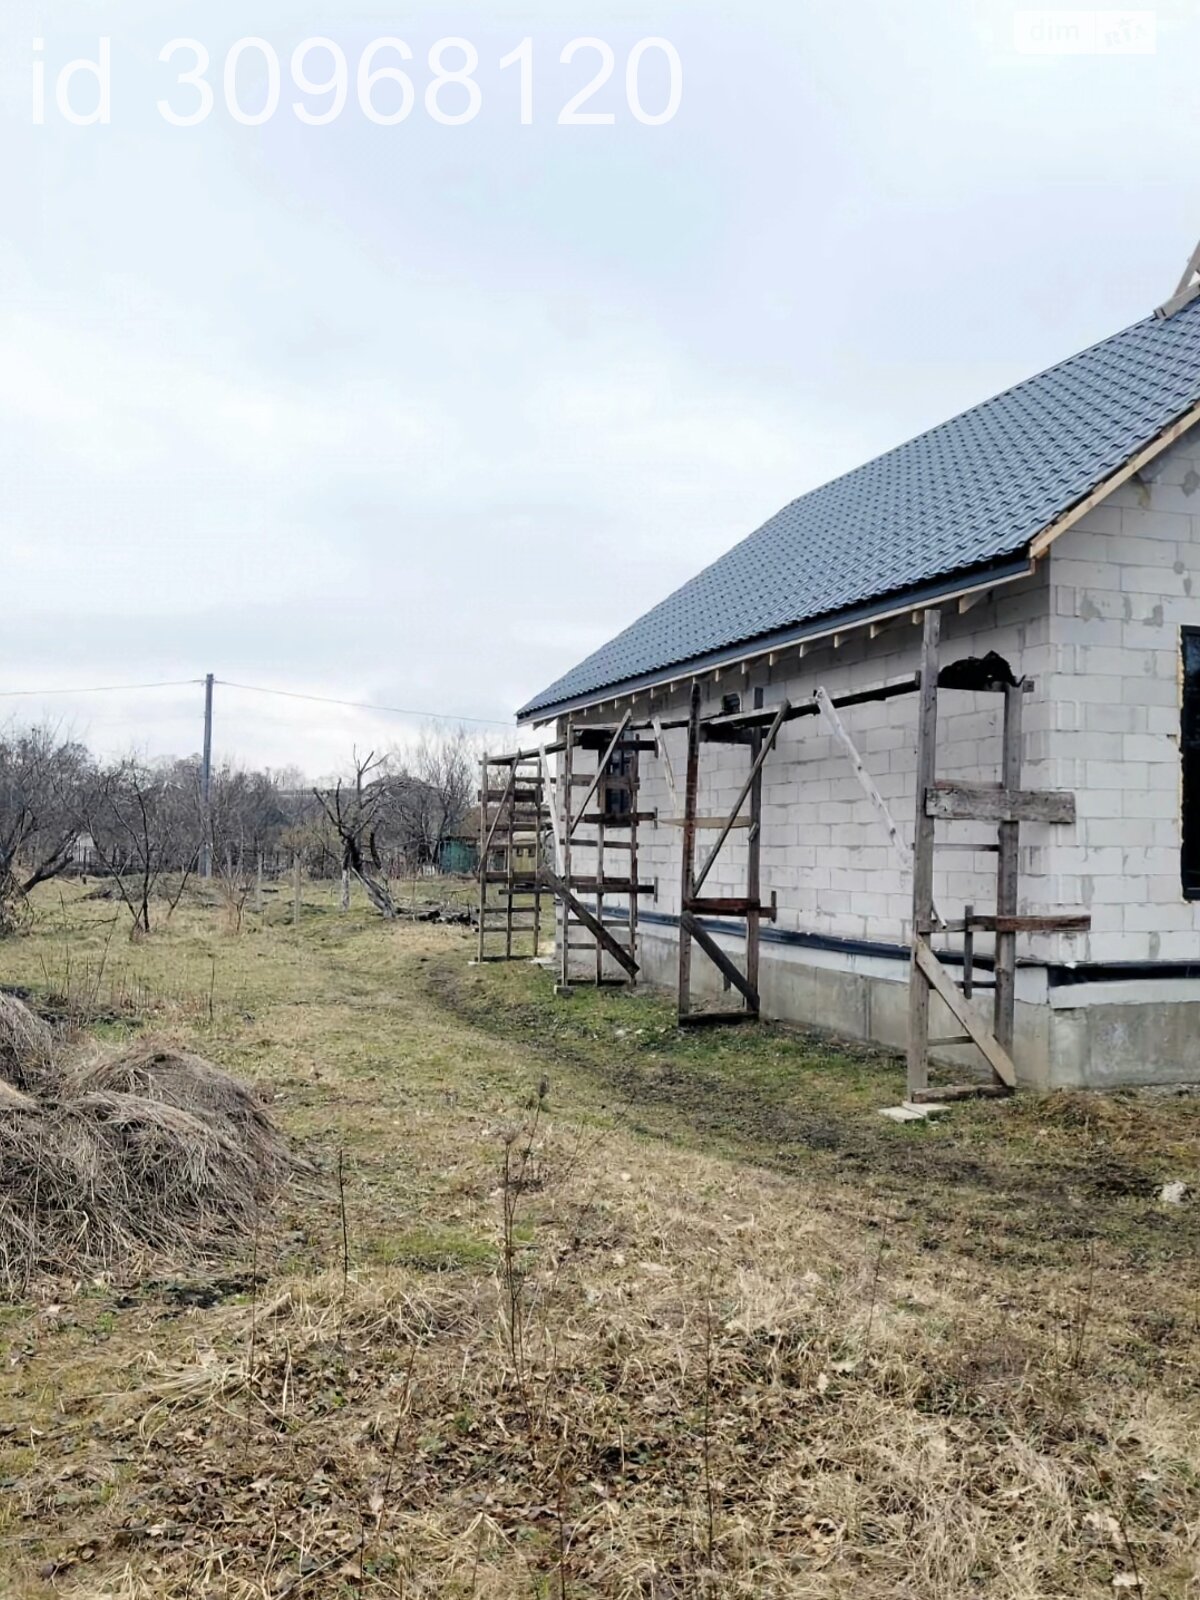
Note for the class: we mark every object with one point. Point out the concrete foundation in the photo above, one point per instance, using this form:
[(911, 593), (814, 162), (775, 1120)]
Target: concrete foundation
[(1088, 1035)]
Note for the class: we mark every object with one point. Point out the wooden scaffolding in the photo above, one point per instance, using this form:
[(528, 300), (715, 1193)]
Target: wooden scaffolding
[(1004, 803), (759, 731), (1007, 805), (693, 903), (597, 909), (514, 819), (585, 852)]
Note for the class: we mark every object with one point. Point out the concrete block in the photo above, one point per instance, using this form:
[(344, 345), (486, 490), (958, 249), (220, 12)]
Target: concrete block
[(1154, 580), (1151, 748)]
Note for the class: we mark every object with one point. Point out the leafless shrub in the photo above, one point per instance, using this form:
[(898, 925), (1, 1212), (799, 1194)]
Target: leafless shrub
[(353, 810), (143, 822), (45, 783)]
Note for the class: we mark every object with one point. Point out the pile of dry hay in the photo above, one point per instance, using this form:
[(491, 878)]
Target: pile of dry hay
[(107, 1156)]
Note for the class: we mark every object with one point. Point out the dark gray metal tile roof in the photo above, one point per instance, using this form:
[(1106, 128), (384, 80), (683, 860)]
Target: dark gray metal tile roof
[(972, 491)]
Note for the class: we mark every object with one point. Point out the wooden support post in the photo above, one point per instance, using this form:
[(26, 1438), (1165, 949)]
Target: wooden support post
[(968, 949), (258, 884), (552, 807), (754, 864), (484, 840), (923, 845), (687, 889), (603, 794), (537, 861), (296, 890), (509, 846), (567, 774), (634, 779), (1007, 882)]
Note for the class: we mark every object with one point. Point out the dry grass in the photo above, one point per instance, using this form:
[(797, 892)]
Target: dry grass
[(26, 1047), (120, 1158), (167, 1076), (587, 1343)]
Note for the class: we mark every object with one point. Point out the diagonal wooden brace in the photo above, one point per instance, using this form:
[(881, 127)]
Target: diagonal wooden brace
[(961, 1008), (690, 928), (768, 745), (591, 922)]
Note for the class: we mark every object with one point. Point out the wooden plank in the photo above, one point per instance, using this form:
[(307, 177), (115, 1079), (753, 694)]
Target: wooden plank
[(537, 898), (495, 823), (688, 850), (837, 727), (1048, 922), (1008, 870), (599, 738), (719, 959), (704, 822), (598, 931), (664, 756), (1189, 272), (756, 767), (591, 884), (568, 762), (617, 819), (923, 844), (980, 802), (963, 1011), (1055, 922), (555, 830), (523, 796), (632, 843), (1102, 491), (754, 859)]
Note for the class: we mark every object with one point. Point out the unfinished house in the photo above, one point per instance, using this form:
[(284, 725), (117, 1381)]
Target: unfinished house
[(918, 761)]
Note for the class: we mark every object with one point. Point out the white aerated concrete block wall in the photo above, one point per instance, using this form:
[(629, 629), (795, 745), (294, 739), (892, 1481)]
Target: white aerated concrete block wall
[(1098, 630), (1123, 581), (824, 852)]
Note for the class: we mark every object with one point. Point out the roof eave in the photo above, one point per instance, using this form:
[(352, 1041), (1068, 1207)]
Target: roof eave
[(960, 584)]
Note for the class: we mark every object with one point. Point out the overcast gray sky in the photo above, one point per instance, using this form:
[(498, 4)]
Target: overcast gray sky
[(420, 415)]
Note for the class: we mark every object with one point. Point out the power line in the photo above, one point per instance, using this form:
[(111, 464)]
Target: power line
[(362, 705), (253, 688), (99, 688)]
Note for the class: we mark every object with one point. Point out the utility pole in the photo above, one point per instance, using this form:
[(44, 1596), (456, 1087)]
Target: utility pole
[(206, 784)]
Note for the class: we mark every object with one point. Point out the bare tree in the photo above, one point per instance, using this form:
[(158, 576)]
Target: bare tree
[(353, 809), (144, 824), (434, 792), (45, 779)]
